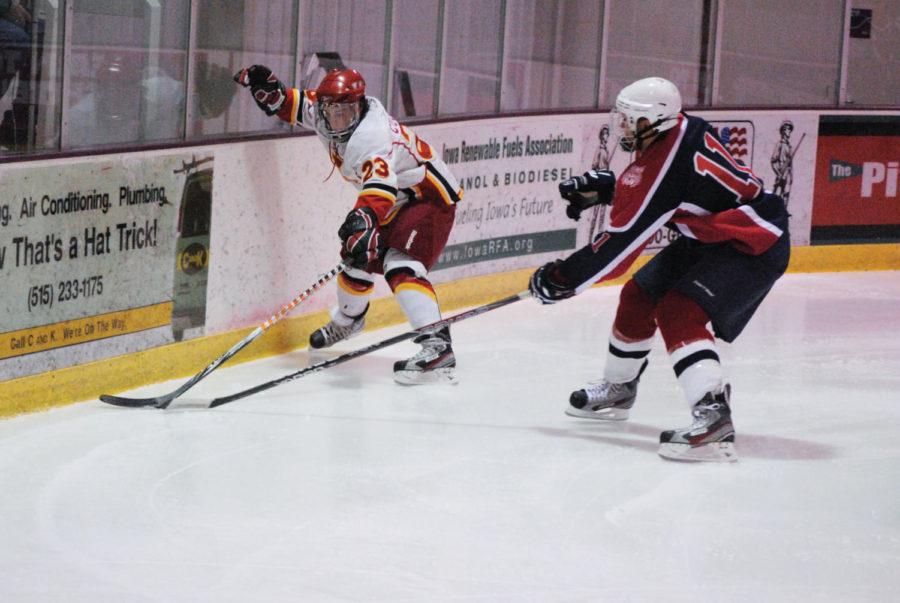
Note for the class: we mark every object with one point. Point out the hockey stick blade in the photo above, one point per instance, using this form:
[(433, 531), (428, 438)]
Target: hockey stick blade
[(158, 402), (164, 401), (315, 368)]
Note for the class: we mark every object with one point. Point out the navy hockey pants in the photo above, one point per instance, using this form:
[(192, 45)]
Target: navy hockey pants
[(727, 284)]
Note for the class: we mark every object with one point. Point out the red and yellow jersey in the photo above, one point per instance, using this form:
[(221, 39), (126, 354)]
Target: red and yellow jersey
[(387, 163)]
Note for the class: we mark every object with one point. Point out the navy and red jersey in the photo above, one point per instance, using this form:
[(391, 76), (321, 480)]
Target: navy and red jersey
[(686, 180)]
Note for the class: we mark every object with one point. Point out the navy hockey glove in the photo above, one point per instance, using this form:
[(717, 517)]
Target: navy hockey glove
[(548, 286), (595, 187), (360, 237), (268, 92)]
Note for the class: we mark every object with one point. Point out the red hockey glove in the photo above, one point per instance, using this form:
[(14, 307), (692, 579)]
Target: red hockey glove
[(548, 286), (360, 237), (268, 92), (595, 187)]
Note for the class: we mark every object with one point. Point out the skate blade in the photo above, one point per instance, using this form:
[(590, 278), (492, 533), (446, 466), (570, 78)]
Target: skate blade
[(607, 414), (715, 452), (440, 375)]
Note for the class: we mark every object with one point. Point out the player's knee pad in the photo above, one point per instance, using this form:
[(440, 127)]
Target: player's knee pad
[(414, 294), (404, 278), (354, 285), (353, 292), (355, 274), (681, 320), (635, 316), (396, 260)]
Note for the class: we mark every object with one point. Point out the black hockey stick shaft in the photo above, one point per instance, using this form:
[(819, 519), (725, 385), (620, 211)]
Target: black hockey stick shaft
[(165, 400), (315, 368), (600, 213)]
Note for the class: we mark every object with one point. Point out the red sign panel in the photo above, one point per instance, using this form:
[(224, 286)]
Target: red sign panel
[(856, 182)]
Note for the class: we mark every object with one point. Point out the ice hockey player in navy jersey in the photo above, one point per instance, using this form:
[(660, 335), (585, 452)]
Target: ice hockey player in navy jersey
[(405, 206), (734, 245)]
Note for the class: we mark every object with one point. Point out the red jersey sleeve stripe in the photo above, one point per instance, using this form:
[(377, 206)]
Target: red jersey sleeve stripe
[(742, 227), (443, 187), (376, 188), (751, 213), (623, 261)]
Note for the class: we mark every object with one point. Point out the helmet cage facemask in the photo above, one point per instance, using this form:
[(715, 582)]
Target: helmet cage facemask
[(624, 124), (346, 114)]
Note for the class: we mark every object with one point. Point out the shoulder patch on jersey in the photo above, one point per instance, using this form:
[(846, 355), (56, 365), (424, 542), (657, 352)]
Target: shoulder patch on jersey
[(632, 176)]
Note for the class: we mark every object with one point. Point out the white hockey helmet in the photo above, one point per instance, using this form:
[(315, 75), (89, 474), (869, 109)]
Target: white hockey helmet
[(653, 98)]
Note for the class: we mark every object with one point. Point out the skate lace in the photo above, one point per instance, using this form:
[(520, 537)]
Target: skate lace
[(335, 332), (430, 347), (705, 414), (602, 389)]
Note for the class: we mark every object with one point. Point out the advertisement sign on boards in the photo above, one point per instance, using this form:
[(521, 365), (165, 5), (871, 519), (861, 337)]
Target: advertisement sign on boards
[(112, 250)]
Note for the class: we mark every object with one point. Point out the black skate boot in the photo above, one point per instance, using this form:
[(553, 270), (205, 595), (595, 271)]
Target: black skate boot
[(604, 400), (709, 438), (334, 332), (435, 362)]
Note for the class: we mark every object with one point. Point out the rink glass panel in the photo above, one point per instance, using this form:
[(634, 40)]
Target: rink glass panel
[(127, 72), (551, 55), (31, 61), (121, 74), (231, 35), (472, 53), (777, 52), (355, 29), (873, 76), (415, 34), (669, 45)]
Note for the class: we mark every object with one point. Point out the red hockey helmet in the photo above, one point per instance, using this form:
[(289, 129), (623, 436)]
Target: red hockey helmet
[(339, 102), (342, 86)]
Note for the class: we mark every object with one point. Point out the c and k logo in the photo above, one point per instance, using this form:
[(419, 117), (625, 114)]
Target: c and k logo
[(193, 259)]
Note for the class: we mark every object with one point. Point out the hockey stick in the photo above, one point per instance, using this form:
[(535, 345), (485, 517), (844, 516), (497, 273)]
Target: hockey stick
[(600, 213), (164, 401), (369, 348)]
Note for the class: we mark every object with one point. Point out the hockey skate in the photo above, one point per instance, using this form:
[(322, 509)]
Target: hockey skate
[(339, 328), (434, 363), (604, 400), (709, 438)]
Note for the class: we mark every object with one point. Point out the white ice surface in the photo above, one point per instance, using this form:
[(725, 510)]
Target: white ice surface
[(343, 486)]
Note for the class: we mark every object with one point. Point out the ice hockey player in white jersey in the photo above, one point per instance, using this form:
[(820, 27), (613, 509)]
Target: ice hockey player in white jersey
[(404, 210), (734, 245)]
